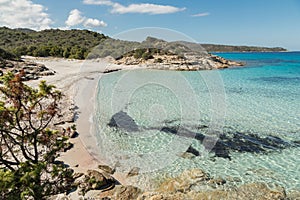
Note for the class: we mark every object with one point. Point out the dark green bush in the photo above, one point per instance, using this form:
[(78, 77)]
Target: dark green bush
[(28, 148), (53, 42)]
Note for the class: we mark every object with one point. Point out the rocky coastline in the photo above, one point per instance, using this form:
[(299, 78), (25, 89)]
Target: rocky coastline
[(190, 184), (155, 53), (188, 62), (32, 70), (101, 182)]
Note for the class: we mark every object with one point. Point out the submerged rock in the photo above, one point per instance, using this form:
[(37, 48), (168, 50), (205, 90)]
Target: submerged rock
[(107, 169), (133, 172), (233, 141), (194, 184), (193, 151), (185, 181), (190, 153), (123, 121), (221, 144)]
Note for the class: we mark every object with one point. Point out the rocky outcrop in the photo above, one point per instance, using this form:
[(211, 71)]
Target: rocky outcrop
[(31, 70), (94, 180), (196, 184), (185, 181), (107, 169), (223, 63), (191, 184), (182, 56), (190, 62), (121, 192), (247, 192)]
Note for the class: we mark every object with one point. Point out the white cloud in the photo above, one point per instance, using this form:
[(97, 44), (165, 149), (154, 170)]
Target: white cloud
[(24, 14), (143, 8), (201, 14), (98, 2), (94, 23), (75, 18)]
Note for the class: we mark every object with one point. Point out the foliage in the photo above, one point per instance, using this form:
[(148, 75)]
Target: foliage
[(54, 42), (81, 44), (138, 53), (159, 60), (146, 53), (6, 55), (112, 47), (28, 148)]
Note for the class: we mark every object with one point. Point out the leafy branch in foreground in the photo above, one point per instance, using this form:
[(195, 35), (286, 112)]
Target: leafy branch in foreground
[(28, 148)]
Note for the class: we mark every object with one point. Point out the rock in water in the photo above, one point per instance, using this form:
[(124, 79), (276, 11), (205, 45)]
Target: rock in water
[(123, 121), (133, 172), (193, 151), (121, 192), (107, 169)]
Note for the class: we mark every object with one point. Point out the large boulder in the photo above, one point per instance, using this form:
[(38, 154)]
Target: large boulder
[(185, 181), (94, 180), (121, 192), (133, 172), (107, 169), (123, 121), (195, 184)]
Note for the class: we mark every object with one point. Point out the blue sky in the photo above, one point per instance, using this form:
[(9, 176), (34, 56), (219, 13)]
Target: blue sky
[(243, 22)]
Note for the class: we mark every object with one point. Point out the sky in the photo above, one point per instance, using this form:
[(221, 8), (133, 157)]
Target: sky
[(269, 23)]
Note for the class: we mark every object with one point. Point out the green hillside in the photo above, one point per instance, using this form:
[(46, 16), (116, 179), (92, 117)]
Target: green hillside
[(4, 55), (54, 42), (79, 43), (230, 48)]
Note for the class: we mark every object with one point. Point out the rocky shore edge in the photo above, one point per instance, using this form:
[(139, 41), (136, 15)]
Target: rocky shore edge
[(33, 71), (188, 62), (191, 184)]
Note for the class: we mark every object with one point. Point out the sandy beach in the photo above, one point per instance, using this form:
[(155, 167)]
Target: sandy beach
[(78, 80)]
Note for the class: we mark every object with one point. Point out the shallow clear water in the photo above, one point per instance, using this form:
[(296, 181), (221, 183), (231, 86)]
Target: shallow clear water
[(262, 98)]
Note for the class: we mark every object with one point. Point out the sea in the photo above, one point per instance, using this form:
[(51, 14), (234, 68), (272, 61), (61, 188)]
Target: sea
[(241, 124)]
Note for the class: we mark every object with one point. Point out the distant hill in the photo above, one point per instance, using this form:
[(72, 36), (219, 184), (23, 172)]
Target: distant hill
[(229, 48), (79, 44), (119, 48), (25, 30)]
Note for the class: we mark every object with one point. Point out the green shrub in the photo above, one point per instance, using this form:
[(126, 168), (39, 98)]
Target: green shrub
[(159, 60), (28, 148), (147, 56)]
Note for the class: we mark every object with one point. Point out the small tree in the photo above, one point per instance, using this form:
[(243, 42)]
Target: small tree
[(28, 148), (66, 52)]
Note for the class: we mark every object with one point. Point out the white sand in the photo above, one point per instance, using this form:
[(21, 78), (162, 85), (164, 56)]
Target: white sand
[(78, 80)]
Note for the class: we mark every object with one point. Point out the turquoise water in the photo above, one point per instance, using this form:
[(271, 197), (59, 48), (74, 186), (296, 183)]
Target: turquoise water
[(241, 106), (265, 95)]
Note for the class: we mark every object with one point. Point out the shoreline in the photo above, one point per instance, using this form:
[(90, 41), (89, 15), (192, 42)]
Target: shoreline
[(79, 87)]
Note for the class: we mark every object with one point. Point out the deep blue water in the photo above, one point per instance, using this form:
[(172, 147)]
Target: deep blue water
[(255, 109)]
